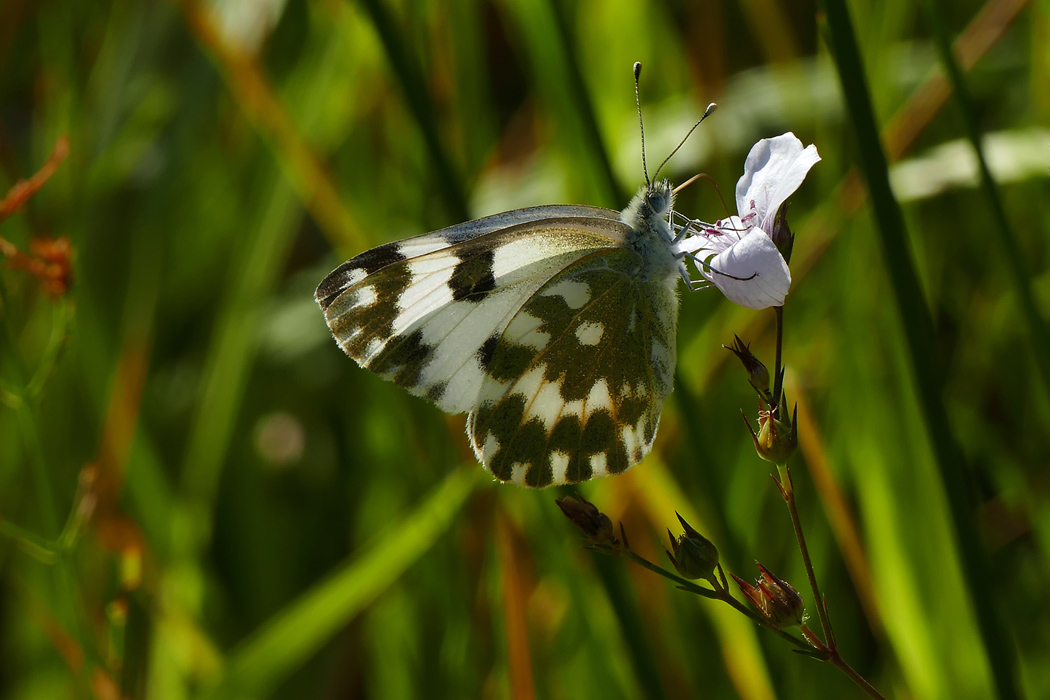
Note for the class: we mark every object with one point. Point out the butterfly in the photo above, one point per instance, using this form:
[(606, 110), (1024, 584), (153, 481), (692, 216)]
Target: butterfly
[(552, 327)]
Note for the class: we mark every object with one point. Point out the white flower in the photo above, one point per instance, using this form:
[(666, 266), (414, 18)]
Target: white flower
[(739, 255)]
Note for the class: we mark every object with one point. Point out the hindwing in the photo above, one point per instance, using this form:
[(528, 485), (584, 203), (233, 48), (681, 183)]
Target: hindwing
[(575, 382)]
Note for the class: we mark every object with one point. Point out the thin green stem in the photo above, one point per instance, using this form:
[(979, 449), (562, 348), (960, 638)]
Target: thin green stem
[(38, 467), (724, 596), (683, 583), (830, 646), (860, 680), (788, 491), (778, 376), (815, 647), (37, 547)]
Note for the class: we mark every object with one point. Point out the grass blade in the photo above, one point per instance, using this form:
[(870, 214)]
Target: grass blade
[(922, 349), (291, 637), (1007, 241)]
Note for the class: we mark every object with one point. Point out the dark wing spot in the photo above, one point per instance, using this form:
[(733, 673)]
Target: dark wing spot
[(567, 437), (403, 359), (599, 434), (376, 259), (650, 430), (502, 420), (370, 261), (437, 392), (473, 279), (486, 351), (509, 361)]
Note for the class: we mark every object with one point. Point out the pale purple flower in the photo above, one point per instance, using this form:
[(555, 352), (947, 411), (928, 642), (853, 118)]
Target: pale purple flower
[(741, 259)]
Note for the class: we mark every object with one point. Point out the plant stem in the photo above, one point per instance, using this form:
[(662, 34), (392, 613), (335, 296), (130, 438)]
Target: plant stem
[(860, 680), (788, 491), (778, 376), (816, 648), (724, 596), (683, 583)]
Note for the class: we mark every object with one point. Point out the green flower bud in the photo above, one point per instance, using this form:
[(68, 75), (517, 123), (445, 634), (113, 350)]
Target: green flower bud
[(777, 435), (757, 374), (694, 556)]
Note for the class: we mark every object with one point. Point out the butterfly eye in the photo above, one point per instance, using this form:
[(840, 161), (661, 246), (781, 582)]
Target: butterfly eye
[(657, 201), (659, 197)]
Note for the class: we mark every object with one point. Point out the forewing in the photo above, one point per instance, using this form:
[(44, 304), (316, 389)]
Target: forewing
[(421, 320), (575, 384), (375, 259)]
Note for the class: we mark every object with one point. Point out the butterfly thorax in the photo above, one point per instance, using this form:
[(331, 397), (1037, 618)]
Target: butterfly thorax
[(650, 235)]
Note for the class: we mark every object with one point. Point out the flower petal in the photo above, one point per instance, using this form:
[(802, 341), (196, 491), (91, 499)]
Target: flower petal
[(764, 277), (774, 169)]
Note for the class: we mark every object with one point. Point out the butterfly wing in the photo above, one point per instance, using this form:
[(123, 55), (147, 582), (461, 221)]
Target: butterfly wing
[(375, 259), (419, 311), (575, 384)]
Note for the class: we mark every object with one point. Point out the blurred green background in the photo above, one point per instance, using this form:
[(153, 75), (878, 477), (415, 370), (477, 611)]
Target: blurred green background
[(200, 496)]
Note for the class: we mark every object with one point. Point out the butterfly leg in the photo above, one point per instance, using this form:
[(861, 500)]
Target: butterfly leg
[(700, 263), (683, 231), (691, 284)]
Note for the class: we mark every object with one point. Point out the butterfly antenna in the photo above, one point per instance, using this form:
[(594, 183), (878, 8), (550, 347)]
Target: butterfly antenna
[(641, 128), (707, 113), (714, 184)]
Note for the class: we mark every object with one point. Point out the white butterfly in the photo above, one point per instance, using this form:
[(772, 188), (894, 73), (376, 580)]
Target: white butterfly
[(552, 326)]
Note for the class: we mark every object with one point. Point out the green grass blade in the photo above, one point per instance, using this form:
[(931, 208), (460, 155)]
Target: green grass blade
[(584, 107), (922, 349), (1019, 274), (292, 636), (421, 106), (558, 80), (613, 578)]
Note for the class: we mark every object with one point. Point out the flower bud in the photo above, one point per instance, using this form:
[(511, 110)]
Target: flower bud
[(757, 374), (777, 435), (694, 556), (781, 234), (586, 516), (775, 598)]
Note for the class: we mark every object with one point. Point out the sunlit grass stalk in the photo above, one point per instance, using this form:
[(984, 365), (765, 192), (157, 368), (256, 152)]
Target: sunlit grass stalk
[(922, 349), (261, 106), (584, 107), (632, 627), (287, 639), (1019, 275)]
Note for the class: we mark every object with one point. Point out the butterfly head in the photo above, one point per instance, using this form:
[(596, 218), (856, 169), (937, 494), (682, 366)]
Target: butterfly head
[(659, 196), (649, 207)]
